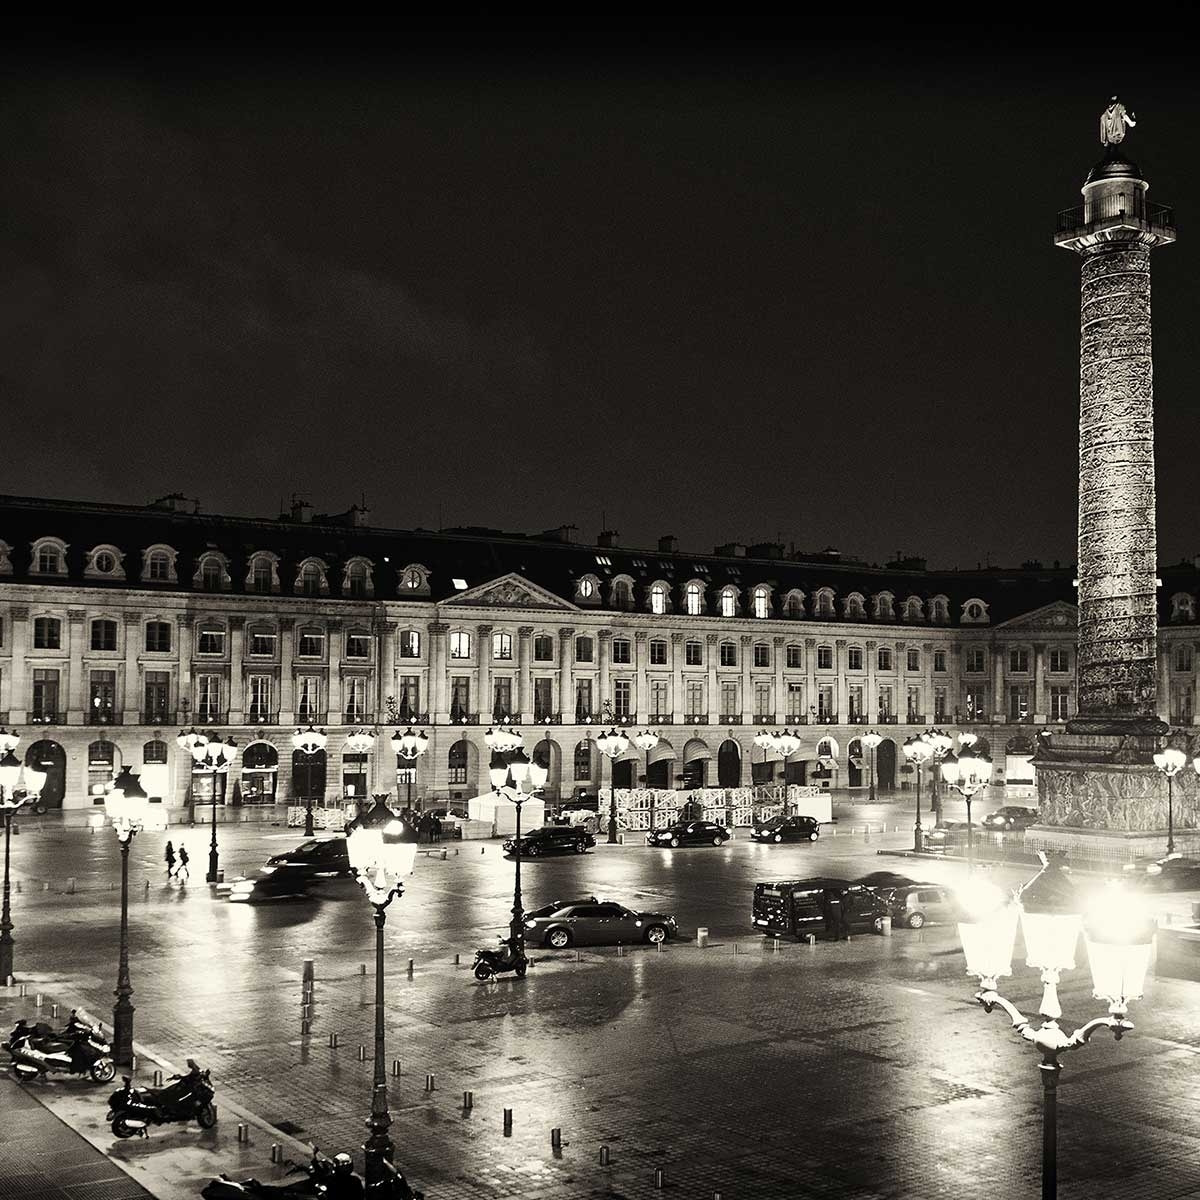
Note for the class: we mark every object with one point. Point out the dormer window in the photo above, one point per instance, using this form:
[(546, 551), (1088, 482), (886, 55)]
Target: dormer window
[(586, 588), (210, 574), (974, 612), (885, 606), (49, 557), (793, 604), (855, 606), (158, 564), (311, 578), (621, 592), (263, 576), (693, 599), (1183, 607), (913, 609), (939, 610), (414, 580), (658, 598), (761, 602), (824, 602), (104, 562), (728, 603), (356, 582)]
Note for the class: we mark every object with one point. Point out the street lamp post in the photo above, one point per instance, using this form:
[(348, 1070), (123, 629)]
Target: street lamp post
[(127, 808), (310, 742), (1170, 761), (28, 782), (410, 746), (187, 741), (1119, 939), (214, 756), (967, 772), (612, 745), (515, 779), (917, 750), (871, 741), (360, 741), (645, 742), (382, 849), (939, 746)]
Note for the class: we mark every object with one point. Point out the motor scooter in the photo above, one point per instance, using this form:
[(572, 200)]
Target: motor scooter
[(78, 1049), (326, 1178), (190, 1097), (490, 963)]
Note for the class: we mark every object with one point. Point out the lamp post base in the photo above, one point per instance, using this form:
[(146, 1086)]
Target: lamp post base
[(213, 871)]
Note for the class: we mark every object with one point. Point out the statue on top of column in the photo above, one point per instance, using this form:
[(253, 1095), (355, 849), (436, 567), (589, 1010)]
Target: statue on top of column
[(1113, 121)]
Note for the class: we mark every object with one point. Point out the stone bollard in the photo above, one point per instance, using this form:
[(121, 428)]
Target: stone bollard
[(774, 945), (276, 1152), (243, 1132), (455, 851), (18, 887), (362, 968), (46, 886), (482, 849), (885, 926), (866, 833), (133, 1063), (158, 1079), (430, 1083), (362, 1053), (604, 1156), (71, 885), (556, 1139), (307, 970), (508, 1122), (395, 1066), (578, 955), (37, 1000), (456, 960), (444, 856), (146, 889), (702, 936), (305, 1028), (468, 1101), (410, 968), (333, 1041), (812, 941), (54, 1010), (306, 1012), (8, 982), (659, 1179)]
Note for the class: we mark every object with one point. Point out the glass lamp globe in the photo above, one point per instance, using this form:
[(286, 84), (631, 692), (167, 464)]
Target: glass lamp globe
[(382, 846), (227, 751), (787, 743), (518, 768), (949, 769), (10, 773), (538, 775), (126, 802), (310, 740), (360, 741), (646, 740), (32, 780), (917, 750), (1170, 760), (8, 740), (1119, 935), (1051, 917), (989, 932), (870, 739), (967, 738), (189, 739)]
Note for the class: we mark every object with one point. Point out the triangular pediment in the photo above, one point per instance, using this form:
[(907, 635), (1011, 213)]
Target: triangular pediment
[(1057, 616), (509, 591)]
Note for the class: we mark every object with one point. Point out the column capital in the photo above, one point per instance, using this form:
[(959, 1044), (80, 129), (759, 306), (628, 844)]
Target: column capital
[(236, 622), (132, 619), (565, 634), (747, 639), (484, 630), (712, 638), (840, 643), (604, 635), (871, 646), (385, 627), (437, 628), (76, 616), (779, 641), (334, 624), (287, 624), (19, 612), (641, 636), (525, 631), (677, 639), (810, 643)]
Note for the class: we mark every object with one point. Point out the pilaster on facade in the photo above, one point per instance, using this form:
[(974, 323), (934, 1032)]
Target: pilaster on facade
[(524, 674), (131, 691), (566, 695), (76, 643), (287, 679)]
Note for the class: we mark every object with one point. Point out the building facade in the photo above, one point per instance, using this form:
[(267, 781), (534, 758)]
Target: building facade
[(119, 625)]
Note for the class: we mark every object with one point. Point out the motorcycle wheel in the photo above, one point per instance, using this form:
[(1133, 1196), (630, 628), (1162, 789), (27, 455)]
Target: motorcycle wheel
[(483, 972), (121, 1130), (24, 1071), (206, 1118), (520, 970), (102, 1070)]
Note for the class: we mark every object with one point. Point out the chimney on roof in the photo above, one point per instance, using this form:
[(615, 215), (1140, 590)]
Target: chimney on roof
[(175, 502), (609, 539), (359, 516), (668, 544), (564, 533), (301, 510), (731, 550), (766, 550)]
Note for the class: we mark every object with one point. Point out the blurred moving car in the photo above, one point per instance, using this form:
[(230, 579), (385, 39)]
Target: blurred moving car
[(1011, 816), (944, 833), (1175, 873), (551, 839), (822, 907), (325, 858), (597, 923), (887, 879), (787, 829), (916, 905), (689, 833), (273, 883)]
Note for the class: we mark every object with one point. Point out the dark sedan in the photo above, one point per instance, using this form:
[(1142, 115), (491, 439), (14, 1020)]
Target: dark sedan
[(787, 829), (597, 924), (1011, 816), (552, 839), (689, 833), (324, 859), (1175, 873)]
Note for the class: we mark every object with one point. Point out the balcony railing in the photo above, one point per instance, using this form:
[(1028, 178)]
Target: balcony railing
[(858, 718), (157, 716), (796, 719), (546, 718), (46, 716), (312, 716), (731, 719), (404, 717), (355, 716), (624, 719), (1115, 207), (662, 719), (764, 718), (212, 716), (696, 719), (262, 716), (826, 718), (464, 718), (103, 717), (889, 719)]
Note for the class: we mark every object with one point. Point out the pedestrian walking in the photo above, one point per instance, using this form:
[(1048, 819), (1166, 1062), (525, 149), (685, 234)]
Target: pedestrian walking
[(169, 859), (437, 827), (182, 872)]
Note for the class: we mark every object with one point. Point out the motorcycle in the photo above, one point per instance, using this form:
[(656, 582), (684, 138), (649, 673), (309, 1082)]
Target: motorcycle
[(131, 1109), (327, 1178), (490, 963), (78, 1049)]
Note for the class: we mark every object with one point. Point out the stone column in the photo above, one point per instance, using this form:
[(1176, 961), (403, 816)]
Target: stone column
[(779, 691), (566, 693), (21, 689), (926, 701), (841, 696), (999, 699), (333, 653), (385, 672), (131, 701), (483, 659), (1196, 683), (237, 685), (747, 688), (438, 694), (604, 655), (713, 695), (871, 696), (641, 701), (954, 702), (1163, 693), (75, 697), (287, 677), (810, 675), (524, 679), (677, 697), (1041, 706)]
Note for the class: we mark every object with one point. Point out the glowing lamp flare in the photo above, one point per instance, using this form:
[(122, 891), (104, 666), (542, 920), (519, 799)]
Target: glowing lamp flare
[(126, 804), (382, 847), (1170, 761), (646, 741), (310, 740), (612, 744), (10, 774), (410, 745), (1119, 936), (8, 740), (870, 740)]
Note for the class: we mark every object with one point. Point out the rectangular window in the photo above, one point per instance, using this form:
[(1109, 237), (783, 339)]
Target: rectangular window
[(408, 696), (262, 576), (1183, 658), (695, 700), (308, 698), (885, 702), (358, 645), (1018, 661), (1058, 704), (354, 697), (102, 697), (501, 698), (311, 644), (460, 646), (658, 653), (210, 640), (693, 654), (855, 698), (660, 699), (502, 647), (1060, 661), (623, 697), (912, 659), (975, 659), (158, 697), (795, 701), (762, 655), (543, 649), (854, 658), (795, 656), (543, 699), (824, 658), (104, 635), (939, 661), (208, 697), (728, 654), (913, 706), (583, 762), (262, 643), (884, 659), (583, 649), (261, 688), (1018, 702), (620, 650), (730, 704), (583, 699), (939, 705), (825, 702), (158, 637), (45, 696), (460, 696), (764, 704), (975, 702), (47, 633)]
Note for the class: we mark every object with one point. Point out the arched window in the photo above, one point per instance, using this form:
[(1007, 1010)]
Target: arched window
[(158, 564), (855, 606), (1183, 607), (357, 582), (621, 591), (311, 579), (47, 633), (49, 556), (262, 576), (693, 598), (914, 609), (793, 604), (939, 610), (210, 573), (827, 747), (728, 604), (583, 762), (414, 580), (104, 634), (456, 763), (154, 753), (502, 647), (728, 654), (885, 606), (460, 644), (761, 602), (410, 644), (824, 603), (104, 562), (658, 598)]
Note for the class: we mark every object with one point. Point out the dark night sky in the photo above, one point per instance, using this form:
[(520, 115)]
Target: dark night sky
[(805, 292)]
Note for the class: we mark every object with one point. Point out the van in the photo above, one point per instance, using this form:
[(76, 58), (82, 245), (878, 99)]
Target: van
[(821, 907)]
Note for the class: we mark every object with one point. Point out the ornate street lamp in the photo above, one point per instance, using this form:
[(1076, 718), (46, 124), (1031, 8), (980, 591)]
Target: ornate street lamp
[(382, 850), (503, 739), (214, 756), (1170, 761), (516, 779), (967, 772), (917, 750), (187, 741), (1118, 937), (127, 808), (645, 742), (17, 784), (871, 741), (612, 745), (310, 742), (410, 746), (940, 744)]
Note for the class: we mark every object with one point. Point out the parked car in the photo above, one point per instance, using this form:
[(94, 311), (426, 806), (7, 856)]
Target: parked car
[(549, 909), (552, 839), (822, 907), (325, 858), (787, 829), (597, 923), (1175, 873), (945, 833), (689, 833), (887, 879), (917, 904), (1011, 816)]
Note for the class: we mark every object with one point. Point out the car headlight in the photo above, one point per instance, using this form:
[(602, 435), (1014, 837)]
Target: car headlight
[(1154, 869), (269, 870)]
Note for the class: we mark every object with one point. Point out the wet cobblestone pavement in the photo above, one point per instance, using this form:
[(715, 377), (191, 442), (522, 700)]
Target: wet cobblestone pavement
[(860, 1069)]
